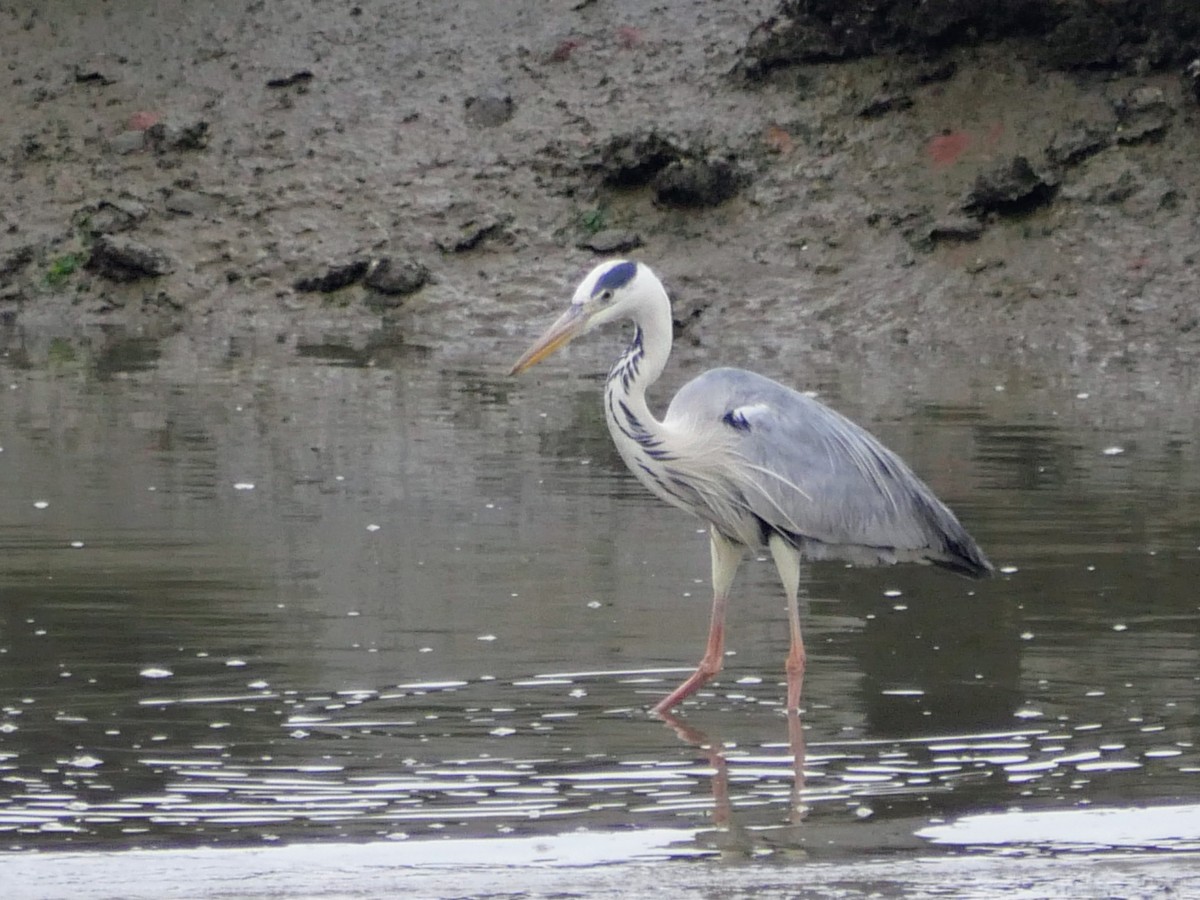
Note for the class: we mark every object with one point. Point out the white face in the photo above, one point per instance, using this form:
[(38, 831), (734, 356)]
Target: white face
[(606, 290), (610, 291)]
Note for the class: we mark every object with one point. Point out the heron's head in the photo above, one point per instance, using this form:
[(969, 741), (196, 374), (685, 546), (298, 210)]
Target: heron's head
[(613, 290)]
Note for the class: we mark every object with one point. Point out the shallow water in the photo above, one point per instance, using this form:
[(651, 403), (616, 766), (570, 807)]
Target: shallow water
[(269, 592)]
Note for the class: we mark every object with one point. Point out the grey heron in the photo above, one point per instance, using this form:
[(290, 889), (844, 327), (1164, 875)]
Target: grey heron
[(765, 466)]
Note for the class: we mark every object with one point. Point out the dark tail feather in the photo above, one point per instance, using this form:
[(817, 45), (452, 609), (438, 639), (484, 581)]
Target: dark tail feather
[(964, 557)]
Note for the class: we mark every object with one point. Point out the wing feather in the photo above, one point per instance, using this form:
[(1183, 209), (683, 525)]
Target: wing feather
[(805, 471)]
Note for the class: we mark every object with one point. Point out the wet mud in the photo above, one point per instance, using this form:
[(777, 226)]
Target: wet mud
[(1013, 179)]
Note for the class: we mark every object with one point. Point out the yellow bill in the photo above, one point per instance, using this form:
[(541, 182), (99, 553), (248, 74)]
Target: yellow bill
[(565, 329)]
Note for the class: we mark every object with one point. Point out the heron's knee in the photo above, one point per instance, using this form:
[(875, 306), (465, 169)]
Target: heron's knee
[(795, 661)]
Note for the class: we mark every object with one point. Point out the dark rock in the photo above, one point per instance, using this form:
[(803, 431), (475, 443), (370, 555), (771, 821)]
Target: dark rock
[(611, 240), (881, 104), (171, 136), (490, 108), (93, 73), (933, 74), (14, 261), (396, 277), (1073, 146), (631, 160), (162, 300), (1012, 189), (110, 216), (334, 278), (687, 317), (954, 229), (298, 78), (31, 148), (1142, 115), (696, 183), (473, 232), (124, 259), (794, 37)]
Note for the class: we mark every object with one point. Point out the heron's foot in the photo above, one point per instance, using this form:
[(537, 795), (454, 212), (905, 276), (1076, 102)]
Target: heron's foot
[(709, 666)]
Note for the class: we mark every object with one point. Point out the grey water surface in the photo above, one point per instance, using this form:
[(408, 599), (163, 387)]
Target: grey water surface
[(389, 613)]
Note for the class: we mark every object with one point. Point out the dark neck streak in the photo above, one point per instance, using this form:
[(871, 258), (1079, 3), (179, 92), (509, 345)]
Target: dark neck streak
[(623, 381)]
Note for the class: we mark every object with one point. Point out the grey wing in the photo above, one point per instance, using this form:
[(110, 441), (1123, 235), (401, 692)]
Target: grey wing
[(808, 473)]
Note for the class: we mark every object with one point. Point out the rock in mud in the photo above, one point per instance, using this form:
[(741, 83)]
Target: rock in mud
[(489, 108), (1012, 189), (171, 136), (954, 229), (935, 73), (1142, 115), (94, 72), (1077, 143), (611, 240), (883, 103), (334, 278), (792, 37), (396, 277), (696, 183), (110, 216), (119, 258), (472, 232), (299, 79), (13, 262)]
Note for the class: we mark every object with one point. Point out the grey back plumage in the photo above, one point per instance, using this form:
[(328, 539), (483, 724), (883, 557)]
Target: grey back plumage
[(803, 471)]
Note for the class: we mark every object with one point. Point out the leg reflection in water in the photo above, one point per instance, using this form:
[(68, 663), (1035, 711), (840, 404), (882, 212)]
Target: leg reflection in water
[(714, 751)]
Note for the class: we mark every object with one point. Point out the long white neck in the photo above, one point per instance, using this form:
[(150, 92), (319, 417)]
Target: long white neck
[(636, 432)]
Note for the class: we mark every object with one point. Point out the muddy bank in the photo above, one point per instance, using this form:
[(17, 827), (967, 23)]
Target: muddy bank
[(1017, 181)]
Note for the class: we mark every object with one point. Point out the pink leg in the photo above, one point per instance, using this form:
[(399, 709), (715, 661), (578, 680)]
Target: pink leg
[(795, 671), (710, 663), (726, 556), (787, 561)]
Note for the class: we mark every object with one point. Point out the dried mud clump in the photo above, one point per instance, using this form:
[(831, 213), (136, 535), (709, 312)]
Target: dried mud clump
[(120, 258), (679, 176), (1011, 189), (1142, 115), (633, 159), (396, 277), (696, 183), (334, 278), (172, 136)]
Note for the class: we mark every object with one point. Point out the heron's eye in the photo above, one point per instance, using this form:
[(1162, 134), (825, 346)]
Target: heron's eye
[(605, 296)]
